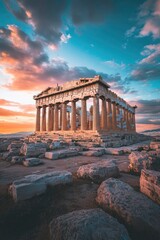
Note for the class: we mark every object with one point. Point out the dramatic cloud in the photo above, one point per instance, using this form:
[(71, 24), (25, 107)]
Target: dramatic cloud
[(113, 64), (148, 111), (149, 67), (4, 102), (94, 11), (49, 18)]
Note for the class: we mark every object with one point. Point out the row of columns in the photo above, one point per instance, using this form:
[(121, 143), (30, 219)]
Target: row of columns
[(108, 120)]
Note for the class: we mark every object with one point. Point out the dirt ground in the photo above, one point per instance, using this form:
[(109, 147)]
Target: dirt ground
[(29, 220)]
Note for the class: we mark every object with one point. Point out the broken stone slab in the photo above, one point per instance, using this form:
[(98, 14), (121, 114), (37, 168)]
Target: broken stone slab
[(92, 153), (98, 172), (18, 159), (15, 145), (61, 154), (137, 211), (114, 151), (30, 162), (33, 149), (143, 160), (36, 184), (155, 145), (87, 224), (150, 184)]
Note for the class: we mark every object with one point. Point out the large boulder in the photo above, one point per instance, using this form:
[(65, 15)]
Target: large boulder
[(98, 171), (143, 160), (137, 211), (150, 184), (70, 152), (17, 159), (30, 162), (36, 184), (91, 224), (33, 149)]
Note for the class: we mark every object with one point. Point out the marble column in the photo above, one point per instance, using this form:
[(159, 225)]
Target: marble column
[(64, 116), (38, 118), (44, 118), (104, 115), (96, 117), (73, 115), (134, 122), (56, 117), (109, 116), (127, 119), (114, 122), (118, 121), (50, 118), (83, 115)]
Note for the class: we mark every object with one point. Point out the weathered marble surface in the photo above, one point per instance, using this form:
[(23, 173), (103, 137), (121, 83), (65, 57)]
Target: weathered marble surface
[(98, 171), (150, 184), (30, 162), (36, 184), (33, 149), (137, 211), (92, 224), (57, 154)]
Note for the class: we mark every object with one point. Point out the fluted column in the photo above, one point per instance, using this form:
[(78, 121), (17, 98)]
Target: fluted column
[(96, 117), (127, 120), (114, 122), (55, 117), (118, 122), (104, 115), (73, 115), (83, 115), (44, 118), (38, 119), (109, 119), (50, 118), (64, 116)]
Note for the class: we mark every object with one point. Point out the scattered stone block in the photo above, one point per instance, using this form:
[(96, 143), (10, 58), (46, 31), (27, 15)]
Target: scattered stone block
[(36, 184), (4, 145), (114, 151), (62, 153), (92, 153), (150, 184), (98, 172), (87, 224), (136, 210), (33, 149), (30, 162), (18, 159), (143, 160), (155, 145)]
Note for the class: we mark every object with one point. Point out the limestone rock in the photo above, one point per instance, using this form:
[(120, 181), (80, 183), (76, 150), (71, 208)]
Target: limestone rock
[(98, 171), (30, 162), (4, 145), (155, 145), (135, 209), (18, 159), (114, 151), (61, 153), (34, 185), (91, 224), (92, 153), (33, 149), (141, 160), (150, 184)]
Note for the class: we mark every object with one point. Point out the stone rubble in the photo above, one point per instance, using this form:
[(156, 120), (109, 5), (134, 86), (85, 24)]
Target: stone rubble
[(57, 154), (33, 149), (36, 184), (137, 211), (150, 184), (30, 162), (99, 171)]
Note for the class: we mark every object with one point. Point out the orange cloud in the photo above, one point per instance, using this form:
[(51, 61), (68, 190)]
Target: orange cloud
[(9, 113)]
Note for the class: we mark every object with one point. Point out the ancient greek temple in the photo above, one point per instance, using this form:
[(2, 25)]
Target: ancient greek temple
[(86, 104)]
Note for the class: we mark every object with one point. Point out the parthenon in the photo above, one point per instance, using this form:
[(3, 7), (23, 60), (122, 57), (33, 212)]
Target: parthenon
[(86, 104)]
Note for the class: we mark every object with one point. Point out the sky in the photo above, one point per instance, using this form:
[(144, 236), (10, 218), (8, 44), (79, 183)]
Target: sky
[(45, 42)]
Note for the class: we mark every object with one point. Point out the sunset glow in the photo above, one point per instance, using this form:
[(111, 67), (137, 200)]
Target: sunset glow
[(67, 40)]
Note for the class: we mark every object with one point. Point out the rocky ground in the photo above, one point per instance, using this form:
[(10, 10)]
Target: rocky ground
[(64, 178)]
